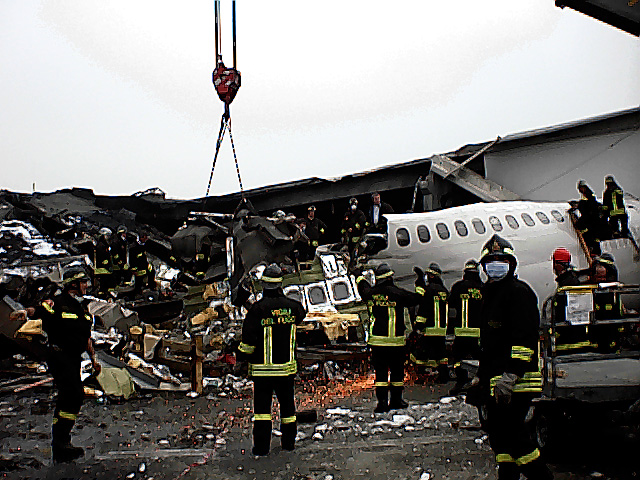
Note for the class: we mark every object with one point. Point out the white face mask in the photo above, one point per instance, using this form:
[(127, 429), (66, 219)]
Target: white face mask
[(496, 270)]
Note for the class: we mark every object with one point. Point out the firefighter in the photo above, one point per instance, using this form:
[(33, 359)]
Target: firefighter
[(141, 269), (120, 254), (568, 338), (377, 223), (613, 206), (202, 261), (465, 301), (269, 344), (609, 263), (509, 361), (608, 306), (314, 229), (590, 224), (353, 225), (386, 304), (431, 321), (103, 262), (68, 327)]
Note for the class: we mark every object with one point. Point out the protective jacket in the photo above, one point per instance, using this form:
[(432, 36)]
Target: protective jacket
[(433, 308), (509, 334), (103, 263), (386, 304), (356, 221), (138, 259), (466, 300), (613, 201), (66, 323), (269, 335), (313, 229)]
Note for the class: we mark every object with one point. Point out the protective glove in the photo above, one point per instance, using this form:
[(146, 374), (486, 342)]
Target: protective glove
[(504, 388)]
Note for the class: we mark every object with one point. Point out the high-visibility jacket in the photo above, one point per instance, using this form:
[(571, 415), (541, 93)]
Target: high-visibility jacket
[(356, 221), (269, 335), (466, 300), (509, 334), (314, 228), (386, 304), (433, 309), (613, 202), (66, 323)]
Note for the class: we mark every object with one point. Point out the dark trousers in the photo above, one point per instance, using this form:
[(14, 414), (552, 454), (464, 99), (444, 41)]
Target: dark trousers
[(65, 369), (510, 441), (263, 389), (388, 363), (619, 224)]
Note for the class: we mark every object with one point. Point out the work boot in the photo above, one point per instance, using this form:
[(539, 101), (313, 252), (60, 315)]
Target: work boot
[(443, 374), (536, 470), (65, 452), (382, 394), (508, 471), (397, 403)]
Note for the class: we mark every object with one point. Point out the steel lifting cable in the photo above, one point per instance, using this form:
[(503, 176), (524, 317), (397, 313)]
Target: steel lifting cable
[(226, 82)]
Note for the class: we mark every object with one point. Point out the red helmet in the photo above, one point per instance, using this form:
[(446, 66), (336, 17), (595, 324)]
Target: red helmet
[(561, 255)]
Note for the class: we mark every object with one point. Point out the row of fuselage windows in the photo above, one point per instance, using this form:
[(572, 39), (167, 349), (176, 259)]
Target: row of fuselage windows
[(424, 235)]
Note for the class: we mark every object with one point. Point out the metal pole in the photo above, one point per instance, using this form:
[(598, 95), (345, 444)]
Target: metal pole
[(233, 21)]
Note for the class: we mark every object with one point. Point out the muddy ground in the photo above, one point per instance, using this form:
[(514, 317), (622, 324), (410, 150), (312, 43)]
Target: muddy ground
[(172, 436)]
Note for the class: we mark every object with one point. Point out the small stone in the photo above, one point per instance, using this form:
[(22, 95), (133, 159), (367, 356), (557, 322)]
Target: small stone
[(131, 475), (317, 436), (142, 467), (240, 468), (425, 476)]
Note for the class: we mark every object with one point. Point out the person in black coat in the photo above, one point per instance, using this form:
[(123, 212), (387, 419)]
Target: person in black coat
[(377, 222)]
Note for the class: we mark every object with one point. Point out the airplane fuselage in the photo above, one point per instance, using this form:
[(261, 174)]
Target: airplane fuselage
[(452, 236)]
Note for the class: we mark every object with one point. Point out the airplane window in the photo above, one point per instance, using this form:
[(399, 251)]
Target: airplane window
[(461, 228), (526, 218), (402, 236), (317, 296), (443, 231), (340, 291), (478, 226), (542, 217), (557, 215), (423, 234), (495, 224), (511, 220)]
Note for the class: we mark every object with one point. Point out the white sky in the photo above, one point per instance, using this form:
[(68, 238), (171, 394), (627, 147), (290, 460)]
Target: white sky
[(117, 95)]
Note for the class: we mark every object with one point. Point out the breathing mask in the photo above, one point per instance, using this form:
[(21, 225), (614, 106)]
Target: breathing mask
[(496, 270)]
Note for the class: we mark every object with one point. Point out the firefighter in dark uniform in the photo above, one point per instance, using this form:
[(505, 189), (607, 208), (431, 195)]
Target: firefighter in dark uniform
[(568, 338), (203, 259), (68, 327), (608, 306), (613, 206), (465, 302), (140, 267), (386, 304), (353, 225), (590, 224), (103, 262), (431, 322), (269, 344), (120, 254), (609, 263), (509, 362), (314, 229), (377, 223)]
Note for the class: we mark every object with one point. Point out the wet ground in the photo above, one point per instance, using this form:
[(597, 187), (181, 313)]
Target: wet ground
[(172, 436)]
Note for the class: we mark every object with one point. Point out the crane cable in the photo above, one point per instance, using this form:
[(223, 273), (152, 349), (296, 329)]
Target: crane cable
[(226, 82)]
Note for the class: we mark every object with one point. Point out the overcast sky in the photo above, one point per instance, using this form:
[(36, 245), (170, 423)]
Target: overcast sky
[(117, 95)]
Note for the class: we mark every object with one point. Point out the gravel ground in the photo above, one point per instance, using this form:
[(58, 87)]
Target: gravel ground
[(171, 436)]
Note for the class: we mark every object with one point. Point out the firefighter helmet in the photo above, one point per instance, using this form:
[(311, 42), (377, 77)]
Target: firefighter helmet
[(353, 201), (121, 229), (582, 183), (609, 179), (272, 277), (74, 274), (383, 271), (434, 269), (104, 231), (497, 248), (561, 255), (471, 266)]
